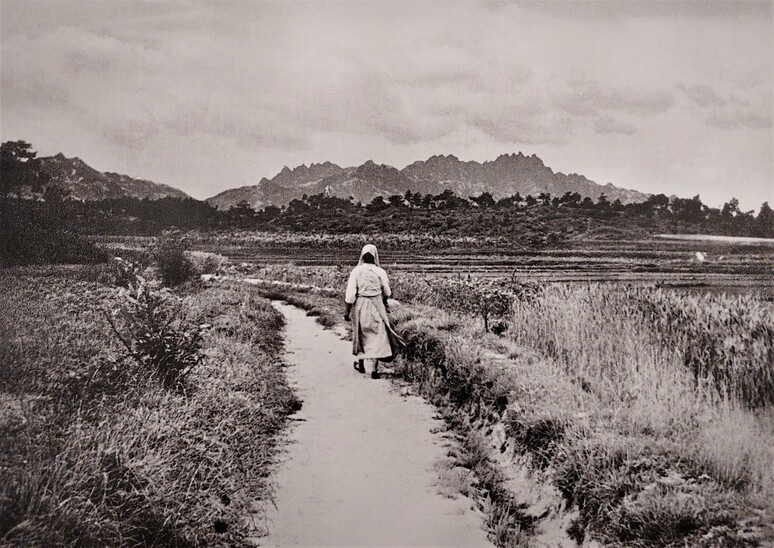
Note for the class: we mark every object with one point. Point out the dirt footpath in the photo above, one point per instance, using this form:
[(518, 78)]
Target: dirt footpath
[(359, 467)]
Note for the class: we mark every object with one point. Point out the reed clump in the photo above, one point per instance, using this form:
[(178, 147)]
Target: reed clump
[(636, 337)]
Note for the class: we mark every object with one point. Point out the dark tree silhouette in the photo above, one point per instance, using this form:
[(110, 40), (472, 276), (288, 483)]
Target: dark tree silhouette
[(19, 168), (484, 201), (765, 222)]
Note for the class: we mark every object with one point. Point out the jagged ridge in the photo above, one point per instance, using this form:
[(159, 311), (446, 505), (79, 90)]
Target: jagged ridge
[(505, 176)]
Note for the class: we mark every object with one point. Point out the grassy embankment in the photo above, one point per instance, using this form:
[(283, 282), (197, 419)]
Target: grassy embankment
[(650, 411), (98, 448)]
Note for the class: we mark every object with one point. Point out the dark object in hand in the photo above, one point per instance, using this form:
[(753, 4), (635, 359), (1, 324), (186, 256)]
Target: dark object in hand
[(347, 318)]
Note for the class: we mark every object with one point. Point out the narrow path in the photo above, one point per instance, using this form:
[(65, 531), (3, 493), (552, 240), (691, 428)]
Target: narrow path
[(359, 466)]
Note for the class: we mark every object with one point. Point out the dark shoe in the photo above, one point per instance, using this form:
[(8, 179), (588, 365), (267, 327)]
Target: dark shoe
[(375, 375), (359, 367)]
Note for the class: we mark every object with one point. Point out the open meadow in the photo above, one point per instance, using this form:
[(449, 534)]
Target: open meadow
[(634, 378), (714, 265), (610, 391), (134, 414)]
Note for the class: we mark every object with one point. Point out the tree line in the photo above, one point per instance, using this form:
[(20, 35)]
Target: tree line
[(479, 213), (47, 221)]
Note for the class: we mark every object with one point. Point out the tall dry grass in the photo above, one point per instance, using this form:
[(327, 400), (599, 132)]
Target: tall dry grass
[(648, 453), (642, 452), (696, 369), (95, 450)]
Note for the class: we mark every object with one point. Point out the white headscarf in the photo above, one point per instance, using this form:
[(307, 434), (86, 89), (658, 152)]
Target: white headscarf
[(369, 248)]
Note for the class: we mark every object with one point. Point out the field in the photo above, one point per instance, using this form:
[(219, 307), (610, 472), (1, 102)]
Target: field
[(632, 380), (132, 414), (722, 266), (636, 379)]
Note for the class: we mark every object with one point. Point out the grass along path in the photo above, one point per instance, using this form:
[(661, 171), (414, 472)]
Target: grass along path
[(361, 465), (96, 451), (699, 482)]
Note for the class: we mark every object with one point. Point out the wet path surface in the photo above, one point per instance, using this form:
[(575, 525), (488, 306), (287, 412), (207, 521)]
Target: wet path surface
[(359, 466)]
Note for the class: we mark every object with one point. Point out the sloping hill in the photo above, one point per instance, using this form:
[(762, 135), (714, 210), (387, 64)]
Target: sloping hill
[(281, 189), (81, 181)]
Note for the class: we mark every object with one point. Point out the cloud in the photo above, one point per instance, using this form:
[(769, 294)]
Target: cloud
[(135, 94), (607, 125), (616, 9), (167, 90), (512, 128), (727, 110), (737, 118), (703, 95), (590, 99)]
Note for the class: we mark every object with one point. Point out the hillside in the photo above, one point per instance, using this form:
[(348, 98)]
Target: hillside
[(505, 176), (286, 185), (81, 181)]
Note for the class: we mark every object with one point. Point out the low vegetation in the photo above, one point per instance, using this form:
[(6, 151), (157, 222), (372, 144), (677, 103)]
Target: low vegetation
[(649, 410), (166, 438), (31, 233)]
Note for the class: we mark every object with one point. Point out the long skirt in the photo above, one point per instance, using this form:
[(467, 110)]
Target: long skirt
[(372, 333)]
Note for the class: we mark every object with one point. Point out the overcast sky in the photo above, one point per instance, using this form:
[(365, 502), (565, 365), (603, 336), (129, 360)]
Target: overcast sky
[(672, 97)]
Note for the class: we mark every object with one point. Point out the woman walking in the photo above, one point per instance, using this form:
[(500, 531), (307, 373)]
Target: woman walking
[(373, 337)]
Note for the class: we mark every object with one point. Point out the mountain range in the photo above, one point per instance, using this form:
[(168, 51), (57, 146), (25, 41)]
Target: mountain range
[(505, 176), (80, 181)]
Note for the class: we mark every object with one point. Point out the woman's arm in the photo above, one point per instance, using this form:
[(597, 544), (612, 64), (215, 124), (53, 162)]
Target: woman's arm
[(386, 291), (351, 294)]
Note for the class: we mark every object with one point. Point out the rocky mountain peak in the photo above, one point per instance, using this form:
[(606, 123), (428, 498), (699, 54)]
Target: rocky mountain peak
[(505, 176), (82, 182), (380, 170)]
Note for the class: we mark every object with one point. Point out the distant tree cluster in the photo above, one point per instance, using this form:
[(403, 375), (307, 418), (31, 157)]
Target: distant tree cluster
[(480, 213), (28, 226)]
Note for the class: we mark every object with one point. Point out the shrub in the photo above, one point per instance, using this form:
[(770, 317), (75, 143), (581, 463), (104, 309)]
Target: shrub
[(174, 266), (148, 323), (488, 298), (208, 263), (123, 273), (93, 455)]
